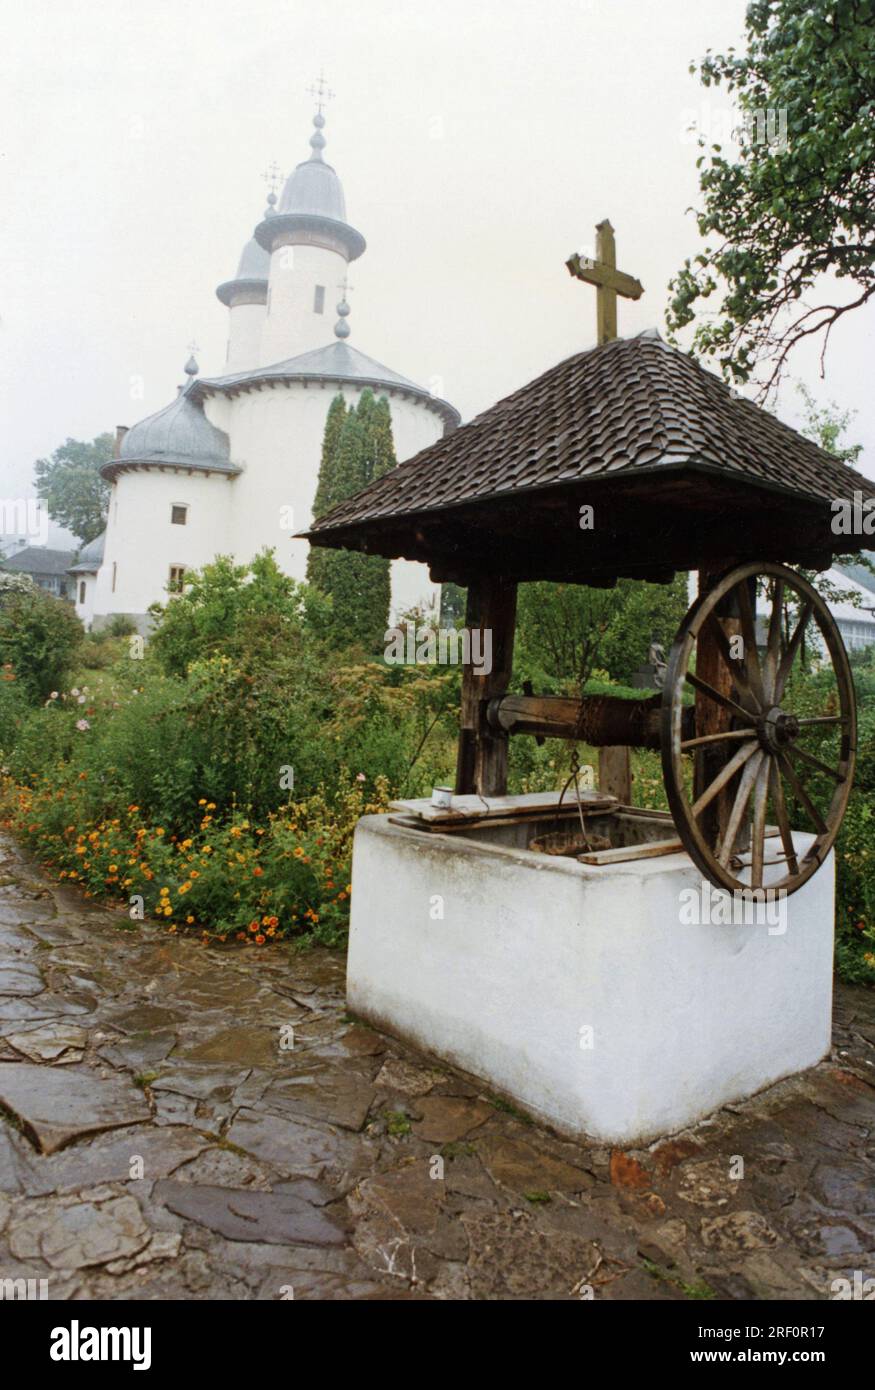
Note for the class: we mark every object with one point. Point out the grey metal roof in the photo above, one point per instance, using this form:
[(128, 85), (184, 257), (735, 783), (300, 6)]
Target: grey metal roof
[(90, 556), (179, 435), (312, 205), (337, 361), (313, 187), (38, 559), (254, 262)]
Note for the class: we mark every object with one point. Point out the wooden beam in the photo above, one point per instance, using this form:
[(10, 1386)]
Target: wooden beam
[(599, 720), (596, 273), (490, 617)]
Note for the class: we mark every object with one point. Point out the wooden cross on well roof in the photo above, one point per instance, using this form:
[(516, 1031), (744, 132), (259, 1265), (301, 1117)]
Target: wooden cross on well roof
[(615, 768), (609, 281)]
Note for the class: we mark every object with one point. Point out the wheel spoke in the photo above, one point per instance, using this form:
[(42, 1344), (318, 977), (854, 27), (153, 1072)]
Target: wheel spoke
[(802, 795), (758, 827), (716, 738), (790, 654), (773, 643), (815, 762), (705, 689), (823, 719), (749, 634), (724, 775), (739, 806), (783, 819)]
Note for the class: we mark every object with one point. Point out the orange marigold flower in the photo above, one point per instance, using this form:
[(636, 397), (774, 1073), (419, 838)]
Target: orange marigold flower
[(259, 940), (257, 872)]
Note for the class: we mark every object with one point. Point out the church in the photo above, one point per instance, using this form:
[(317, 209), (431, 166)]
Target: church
[(231, 465)]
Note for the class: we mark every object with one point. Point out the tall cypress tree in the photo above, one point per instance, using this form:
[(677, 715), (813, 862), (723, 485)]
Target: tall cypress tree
[(357, 447)]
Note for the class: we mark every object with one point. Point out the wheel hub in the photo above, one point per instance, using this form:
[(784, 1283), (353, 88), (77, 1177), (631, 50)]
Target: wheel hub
[(777, 730)]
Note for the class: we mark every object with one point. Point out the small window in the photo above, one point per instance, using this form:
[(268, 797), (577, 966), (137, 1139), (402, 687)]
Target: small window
[(81, 590), (319, 300), (178, 515), (177, 579), (114, 569)]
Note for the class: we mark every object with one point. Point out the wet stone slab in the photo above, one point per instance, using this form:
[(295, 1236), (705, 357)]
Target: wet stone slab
[(207, 1123), (57, 1105)]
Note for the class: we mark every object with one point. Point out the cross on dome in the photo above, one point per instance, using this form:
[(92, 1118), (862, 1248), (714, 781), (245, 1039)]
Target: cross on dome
[(322, 92), (273, 178)]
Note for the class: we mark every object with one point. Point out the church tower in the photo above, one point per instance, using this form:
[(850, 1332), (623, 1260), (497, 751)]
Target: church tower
[(310, 244), (246, 298)]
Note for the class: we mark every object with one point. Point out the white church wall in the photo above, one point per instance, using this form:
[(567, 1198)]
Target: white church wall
[(292, 325), (142, 542), (83, 597), (245, 324), (276, 435)]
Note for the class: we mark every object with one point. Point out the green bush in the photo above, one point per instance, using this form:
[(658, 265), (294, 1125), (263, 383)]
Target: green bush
[(40, 639)]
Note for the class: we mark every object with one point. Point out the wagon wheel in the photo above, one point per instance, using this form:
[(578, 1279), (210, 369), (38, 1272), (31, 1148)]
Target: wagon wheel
[(768, 727)]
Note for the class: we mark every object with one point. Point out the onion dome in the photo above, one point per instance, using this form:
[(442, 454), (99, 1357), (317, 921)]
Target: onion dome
[(90, 556), (179, 436), (312, 207), (249, 285)]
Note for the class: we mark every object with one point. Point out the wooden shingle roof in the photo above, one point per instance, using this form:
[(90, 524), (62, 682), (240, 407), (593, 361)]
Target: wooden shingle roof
[(629, 425)]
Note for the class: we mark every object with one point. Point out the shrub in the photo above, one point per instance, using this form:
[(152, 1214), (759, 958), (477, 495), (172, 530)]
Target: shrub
[(40, 638)]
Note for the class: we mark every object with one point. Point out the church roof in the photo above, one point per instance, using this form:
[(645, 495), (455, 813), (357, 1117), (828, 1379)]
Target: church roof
[(254, 263), (178, 436), (90, 556), (253, 270), (336, 362), (312, 205), (313, 187), (676, 465), (38, 559)]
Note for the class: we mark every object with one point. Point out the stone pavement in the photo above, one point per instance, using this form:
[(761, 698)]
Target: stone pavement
[(190, 1122)]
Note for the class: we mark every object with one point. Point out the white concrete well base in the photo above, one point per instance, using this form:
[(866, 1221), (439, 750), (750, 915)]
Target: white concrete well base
[(579, 991)]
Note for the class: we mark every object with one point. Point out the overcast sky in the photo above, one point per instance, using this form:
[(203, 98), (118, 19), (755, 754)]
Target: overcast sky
[(478, 142)]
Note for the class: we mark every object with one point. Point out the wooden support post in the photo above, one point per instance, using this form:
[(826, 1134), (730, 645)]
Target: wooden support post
[(712, 718), (490, 618), (615, 773)]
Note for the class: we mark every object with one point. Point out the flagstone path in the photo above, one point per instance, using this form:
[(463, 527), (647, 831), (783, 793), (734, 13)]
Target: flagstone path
[(187, 1122)]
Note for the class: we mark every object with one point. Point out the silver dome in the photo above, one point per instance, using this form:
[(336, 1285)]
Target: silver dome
[(254, 262), (315, 189), (90, 556), (178, 434)]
